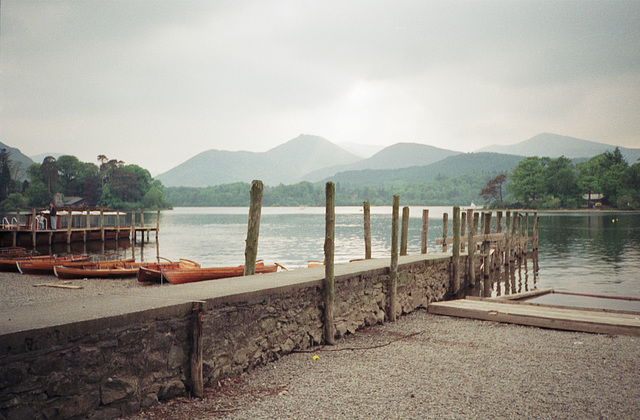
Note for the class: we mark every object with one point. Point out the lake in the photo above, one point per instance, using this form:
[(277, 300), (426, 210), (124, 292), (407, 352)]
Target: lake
[(595, 253)]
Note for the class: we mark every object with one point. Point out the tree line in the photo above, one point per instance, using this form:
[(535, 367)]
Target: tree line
[(545, 183), (111, 184)]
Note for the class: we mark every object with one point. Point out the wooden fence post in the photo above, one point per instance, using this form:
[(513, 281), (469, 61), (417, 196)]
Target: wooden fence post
[(463, 230), (157, 225), (456, 250), (253, 229), (471, 249), (536, 230), (197, 381), (486, 247), (507, 238), (393, 274), (445, 231), (329, 249), (425, 230), (404, 236), (367, 230)]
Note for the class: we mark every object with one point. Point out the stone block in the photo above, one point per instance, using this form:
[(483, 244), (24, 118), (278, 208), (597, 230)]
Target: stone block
[(116, 389)]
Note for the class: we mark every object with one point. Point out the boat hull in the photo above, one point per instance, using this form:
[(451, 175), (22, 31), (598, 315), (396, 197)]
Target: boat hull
[(45, 265), (152, 273), (212, 273)]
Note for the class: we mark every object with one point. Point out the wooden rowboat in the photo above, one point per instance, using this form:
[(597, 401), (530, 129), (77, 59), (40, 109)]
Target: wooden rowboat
[(44, 265), (213, 273), (153, 272), (103, 269)]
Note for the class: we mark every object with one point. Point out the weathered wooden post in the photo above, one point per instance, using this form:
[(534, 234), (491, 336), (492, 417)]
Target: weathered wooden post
[(70, 224), (456, 250), (117, 224), (34, 227), (88, 223), (157, 225), (404, 235), (133, 230), (253, 229), (425, 230), (367, 230), (536, 230), (497, 259), (197, 380), (519, 235), (514, 236), (329, 249), (507, 238), (463, 230), (486, 247), (445, 231), (471, 249), (393, 272), (476, 216), (526, 233)]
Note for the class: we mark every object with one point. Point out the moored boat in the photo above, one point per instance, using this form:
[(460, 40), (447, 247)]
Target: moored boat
[(45, 264), (213, 273), (103, 269), (152, 272)]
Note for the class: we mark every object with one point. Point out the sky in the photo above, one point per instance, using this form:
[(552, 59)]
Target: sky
[(154, 83)]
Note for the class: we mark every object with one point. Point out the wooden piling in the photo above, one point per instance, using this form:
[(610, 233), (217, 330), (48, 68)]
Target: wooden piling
[(69, 225), (133, 227), (463, 230), (393, 269), (157, 225), (367, 230), (425, 230), (445, 231), (404, 236), (253, 228), (526, 233), (329, 249), (197, 380), (507, 238), (485, 245), (34, 226), (536, 230), (456, 250), (471, 249)]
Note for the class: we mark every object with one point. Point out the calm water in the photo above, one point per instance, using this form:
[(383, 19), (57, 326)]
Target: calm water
[(585, 253)]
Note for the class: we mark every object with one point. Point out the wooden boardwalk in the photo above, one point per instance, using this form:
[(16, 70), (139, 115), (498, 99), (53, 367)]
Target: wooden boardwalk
[(546, 316)]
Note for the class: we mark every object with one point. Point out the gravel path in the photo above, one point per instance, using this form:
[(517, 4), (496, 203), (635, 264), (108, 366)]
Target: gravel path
[(429, 366)]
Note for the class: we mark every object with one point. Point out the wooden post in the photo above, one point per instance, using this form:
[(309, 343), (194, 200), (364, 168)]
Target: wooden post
[(476, 216), (514, 236), (329, 248), (197, 380), (102, 225), (526, 233), (425, 229), (404, 234), (393, 269), (536, 230), (253, 229), (497, 260), (70, 223), (507, 238), (471, 249), (133, 230), (519, 235), (456, 250), (445, 231), (486, 247), (34, 227), (157, 225), (463, 230), (367, 230)]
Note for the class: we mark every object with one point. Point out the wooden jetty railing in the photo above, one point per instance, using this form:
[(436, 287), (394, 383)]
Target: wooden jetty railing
[(32, 229)]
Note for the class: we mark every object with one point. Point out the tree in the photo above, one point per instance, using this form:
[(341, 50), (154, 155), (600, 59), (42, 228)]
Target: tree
[(527, 180), (49, 168), (493, 190), (561, 182), (6, 183)]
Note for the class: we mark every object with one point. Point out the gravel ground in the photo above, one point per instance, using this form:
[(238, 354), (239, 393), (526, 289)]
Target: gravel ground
[(430, 366), (25, 289)]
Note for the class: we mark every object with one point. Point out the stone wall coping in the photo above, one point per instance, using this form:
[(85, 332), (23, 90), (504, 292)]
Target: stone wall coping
[(75, 317)]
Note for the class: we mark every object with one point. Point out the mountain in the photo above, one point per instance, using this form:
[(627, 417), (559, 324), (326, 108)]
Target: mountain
[(19, 162), (361, 150), (284, 164), (459, 164), (39, 158), (555, 145), (400, 155)]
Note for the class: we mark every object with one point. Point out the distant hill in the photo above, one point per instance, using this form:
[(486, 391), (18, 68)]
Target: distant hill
[(555, 145), (284, 164), (400, 155), (39, 158), (19, 162), (459, 164)]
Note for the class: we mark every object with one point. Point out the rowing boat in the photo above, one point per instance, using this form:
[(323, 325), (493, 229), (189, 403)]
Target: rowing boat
[(178, 276), (153, 272), (44, 265), (102, 269)]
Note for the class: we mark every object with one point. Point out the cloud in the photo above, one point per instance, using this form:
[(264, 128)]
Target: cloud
[(154, 83)]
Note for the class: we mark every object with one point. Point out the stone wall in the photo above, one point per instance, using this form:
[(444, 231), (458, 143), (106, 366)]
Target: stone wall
[(118, 365)]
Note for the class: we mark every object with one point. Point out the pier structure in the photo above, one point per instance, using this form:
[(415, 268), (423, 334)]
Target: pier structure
[(73, 225)]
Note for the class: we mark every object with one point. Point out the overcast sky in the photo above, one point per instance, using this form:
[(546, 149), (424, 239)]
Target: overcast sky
[(156, 82)]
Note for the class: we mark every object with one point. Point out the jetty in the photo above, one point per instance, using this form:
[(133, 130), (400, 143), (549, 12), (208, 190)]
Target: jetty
[(74, 225)]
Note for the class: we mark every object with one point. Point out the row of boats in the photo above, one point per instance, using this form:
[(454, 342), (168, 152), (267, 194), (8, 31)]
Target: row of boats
[(81, 266)]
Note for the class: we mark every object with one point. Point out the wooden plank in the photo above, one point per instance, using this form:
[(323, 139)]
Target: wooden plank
[(545, 316)]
